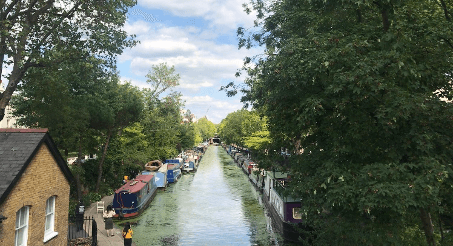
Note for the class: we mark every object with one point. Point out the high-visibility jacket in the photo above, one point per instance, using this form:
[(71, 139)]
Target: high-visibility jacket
[(128, 234)]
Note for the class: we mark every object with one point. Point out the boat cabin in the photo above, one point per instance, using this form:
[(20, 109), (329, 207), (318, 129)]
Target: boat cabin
[(173, 170), (134, 196), (288, 208)]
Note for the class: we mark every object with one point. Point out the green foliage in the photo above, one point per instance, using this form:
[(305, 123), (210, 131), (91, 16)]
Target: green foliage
[(161, 77), (242, 127), (30, 29), (187, 136), (62, 99), (90, 173), (161, 125), (94, 197), (258, 140), (205, 129), (356, 89)]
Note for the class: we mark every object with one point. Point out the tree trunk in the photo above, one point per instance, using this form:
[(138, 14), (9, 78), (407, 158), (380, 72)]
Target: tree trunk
[(444, 7), (17, 73), (101, 162), (428, 228), (385, 19), (79, 167)]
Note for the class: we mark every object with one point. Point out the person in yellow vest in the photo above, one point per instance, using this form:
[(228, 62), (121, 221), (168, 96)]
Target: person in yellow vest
[(127, 234)]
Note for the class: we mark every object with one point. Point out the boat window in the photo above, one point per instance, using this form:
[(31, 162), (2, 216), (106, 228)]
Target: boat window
[(296, 214)]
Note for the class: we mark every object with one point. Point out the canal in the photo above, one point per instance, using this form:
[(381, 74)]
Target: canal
[(217, 205)]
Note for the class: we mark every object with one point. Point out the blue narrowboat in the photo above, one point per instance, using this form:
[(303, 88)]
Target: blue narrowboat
[(173, 170), (160, 177), (134, 196)]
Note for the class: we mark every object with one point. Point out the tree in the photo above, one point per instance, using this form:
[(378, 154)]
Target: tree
[(60, 99), (239, 125), (357, 88), (161, 78), (162, 125), (162, 115), (30, 28), (119, 106), (206, 129), (187, 136)]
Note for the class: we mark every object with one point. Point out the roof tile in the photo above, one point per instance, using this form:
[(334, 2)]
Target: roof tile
[(16, 147)]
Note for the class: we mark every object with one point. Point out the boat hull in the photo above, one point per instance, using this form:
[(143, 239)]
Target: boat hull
[(173, 175)]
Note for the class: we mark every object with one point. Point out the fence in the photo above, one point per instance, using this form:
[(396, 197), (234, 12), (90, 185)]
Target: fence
[(82, 231)]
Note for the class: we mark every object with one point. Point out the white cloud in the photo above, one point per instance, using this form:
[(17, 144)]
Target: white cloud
[(141, 84), (226, 14), (180, 7), (200, 62), (216, 110), (165, 48), (205, 54), (195, 86), (137, 27)]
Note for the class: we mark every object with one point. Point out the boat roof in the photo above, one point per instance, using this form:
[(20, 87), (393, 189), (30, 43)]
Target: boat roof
[(163, 168), (136, 184), (171, 166)]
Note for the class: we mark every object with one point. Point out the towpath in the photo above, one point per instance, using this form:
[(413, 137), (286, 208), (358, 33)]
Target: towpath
[(103, 239)]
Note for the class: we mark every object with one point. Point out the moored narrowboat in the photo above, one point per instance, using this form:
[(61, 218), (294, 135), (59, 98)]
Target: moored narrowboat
[(134, 196), (173, 170), (189, 166), (284, 210), (160, 177)]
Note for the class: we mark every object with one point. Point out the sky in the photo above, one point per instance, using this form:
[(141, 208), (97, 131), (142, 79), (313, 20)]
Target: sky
[(199, 39)]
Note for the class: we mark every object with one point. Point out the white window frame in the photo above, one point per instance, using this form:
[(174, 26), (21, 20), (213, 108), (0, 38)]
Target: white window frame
[(22, 226), (50, 232), (297, 213)]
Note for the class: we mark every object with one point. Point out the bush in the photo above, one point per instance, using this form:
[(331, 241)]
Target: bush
[(94, 197)]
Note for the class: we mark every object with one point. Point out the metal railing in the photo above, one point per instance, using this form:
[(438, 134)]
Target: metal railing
[(82, 231)]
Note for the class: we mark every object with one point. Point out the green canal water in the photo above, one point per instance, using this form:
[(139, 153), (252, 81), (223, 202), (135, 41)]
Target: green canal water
[(217, 205)]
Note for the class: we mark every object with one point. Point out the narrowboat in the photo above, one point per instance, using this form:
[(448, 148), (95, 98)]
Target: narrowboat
[(160, 177), (188, 166), (173, 170), (134, 196), (284, 210), (255, 175)]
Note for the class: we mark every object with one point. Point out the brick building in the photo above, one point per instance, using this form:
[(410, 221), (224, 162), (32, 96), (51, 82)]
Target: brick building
[(34, 189)]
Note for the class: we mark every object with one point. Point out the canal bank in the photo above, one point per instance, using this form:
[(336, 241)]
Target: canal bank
[(103, 238), (217, 205)]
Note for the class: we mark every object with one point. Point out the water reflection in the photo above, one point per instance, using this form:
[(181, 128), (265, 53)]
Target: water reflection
[(217, 205)]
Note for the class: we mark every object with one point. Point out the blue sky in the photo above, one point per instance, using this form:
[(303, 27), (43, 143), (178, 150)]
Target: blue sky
[(199, 39)]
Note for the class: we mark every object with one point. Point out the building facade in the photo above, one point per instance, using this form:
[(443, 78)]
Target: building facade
[(34, 189)]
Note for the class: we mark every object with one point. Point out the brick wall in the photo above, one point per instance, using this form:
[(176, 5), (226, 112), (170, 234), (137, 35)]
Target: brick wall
[(41, 180)]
